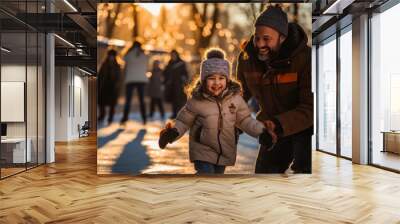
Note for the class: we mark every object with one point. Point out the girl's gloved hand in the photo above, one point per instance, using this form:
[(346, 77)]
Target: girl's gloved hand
[(265, 139), (167, 135)]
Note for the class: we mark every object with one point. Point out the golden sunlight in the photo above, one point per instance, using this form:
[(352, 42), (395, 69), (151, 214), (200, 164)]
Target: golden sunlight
[(154, 8)]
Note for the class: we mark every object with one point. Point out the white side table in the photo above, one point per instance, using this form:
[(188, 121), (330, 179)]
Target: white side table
[(19, 149)]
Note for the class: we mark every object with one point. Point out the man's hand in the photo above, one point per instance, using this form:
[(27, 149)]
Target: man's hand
[(167, 135), (270, 126), (265, 139)]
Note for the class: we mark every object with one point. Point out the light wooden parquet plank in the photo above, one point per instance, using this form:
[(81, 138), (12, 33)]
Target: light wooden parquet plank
[(69, 191)]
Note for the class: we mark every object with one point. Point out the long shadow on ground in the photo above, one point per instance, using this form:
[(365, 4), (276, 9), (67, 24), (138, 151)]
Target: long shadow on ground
[(101, 141), (133, 158)]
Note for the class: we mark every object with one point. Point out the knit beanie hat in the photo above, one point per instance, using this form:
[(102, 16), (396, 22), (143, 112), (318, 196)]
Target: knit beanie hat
[(275, 18), (214, 62)]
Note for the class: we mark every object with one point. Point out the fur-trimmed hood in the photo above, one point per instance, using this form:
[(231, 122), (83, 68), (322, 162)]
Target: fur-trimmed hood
[(233, 87)]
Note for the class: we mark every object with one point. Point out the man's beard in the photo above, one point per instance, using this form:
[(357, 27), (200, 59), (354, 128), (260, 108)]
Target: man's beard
[(272, 54)]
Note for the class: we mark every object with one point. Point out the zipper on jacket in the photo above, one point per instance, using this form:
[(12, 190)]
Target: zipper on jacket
[(219, 131)]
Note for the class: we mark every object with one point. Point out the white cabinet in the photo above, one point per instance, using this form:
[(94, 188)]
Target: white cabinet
[(18, 149)]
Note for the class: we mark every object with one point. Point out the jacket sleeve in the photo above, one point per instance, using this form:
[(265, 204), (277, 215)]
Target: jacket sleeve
[(244, 120), (240, 77), (301, 117), (185, 118), (119, 77), (100, 75)]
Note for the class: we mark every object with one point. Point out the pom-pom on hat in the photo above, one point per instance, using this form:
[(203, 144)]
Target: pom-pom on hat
[(213, 63)]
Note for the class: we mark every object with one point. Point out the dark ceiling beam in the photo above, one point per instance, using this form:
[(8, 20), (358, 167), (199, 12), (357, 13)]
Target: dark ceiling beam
[(63, 51), (331, 29), (72, 24), (16, 18), (83, 23), (320, 22), (52, 22), (49, 22), (91, 5), (82, 61), (11, 25)]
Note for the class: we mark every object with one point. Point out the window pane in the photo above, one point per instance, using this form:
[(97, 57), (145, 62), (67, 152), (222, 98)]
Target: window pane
[(346, 94), (327, 97), (313, 73), (385, 89)]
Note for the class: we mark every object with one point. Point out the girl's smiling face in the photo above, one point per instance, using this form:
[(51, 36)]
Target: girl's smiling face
[(216, 84)]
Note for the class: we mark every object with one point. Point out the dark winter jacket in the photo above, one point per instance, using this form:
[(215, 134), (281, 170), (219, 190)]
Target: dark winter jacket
[(212, 123), (109, 78), (175, 78), (282, 87), (154, 86)]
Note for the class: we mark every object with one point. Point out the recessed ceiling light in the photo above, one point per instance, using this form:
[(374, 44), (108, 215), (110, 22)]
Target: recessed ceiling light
[(70, 5), (337, 7), (64, 40), (84, 71), (5, 50)]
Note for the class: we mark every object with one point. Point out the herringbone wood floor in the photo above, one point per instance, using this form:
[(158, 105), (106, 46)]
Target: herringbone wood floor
[(69, 191)]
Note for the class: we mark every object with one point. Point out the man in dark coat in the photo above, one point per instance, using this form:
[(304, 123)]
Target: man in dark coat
[(275, 68), (108, 85), (175, 79)]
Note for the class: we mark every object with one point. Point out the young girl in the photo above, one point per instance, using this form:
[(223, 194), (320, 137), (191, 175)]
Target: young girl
[(213, 111)]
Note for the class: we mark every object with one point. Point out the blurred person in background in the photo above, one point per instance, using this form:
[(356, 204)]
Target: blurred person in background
[(135, 78), (108, 86), (175, 79), (155, 90)]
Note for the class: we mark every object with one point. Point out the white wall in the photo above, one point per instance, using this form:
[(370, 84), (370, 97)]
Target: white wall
[(71, 102), (62, 81), (15, 73)]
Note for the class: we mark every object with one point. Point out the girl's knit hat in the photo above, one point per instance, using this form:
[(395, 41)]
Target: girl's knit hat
[(214, 62)]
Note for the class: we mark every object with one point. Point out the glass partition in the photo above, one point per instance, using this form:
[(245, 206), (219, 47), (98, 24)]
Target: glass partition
[(31, 98), (13, 108), (385, 89), (327, 96), (41, 86), (22, 89), (346, 93)]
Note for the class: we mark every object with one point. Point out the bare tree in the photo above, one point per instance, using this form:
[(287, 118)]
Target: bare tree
[(110, 21), (295, 13), (135, 18), (202, 16), (163, 18), (252, 10)]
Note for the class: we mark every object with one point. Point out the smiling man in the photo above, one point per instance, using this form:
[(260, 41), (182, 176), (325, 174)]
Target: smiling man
[(274, 67)]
